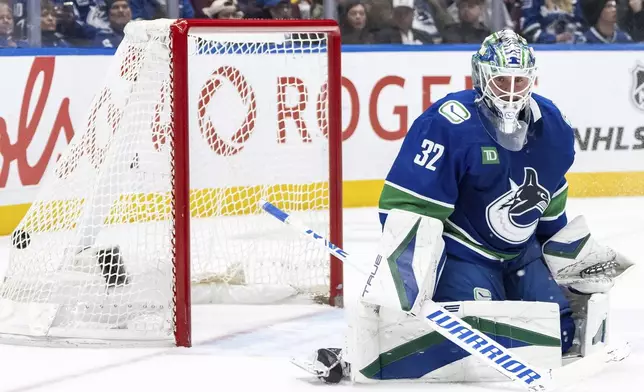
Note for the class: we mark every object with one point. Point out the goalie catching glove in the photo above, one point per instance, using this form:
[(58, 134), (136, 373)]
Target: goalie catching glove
[(588, 271), (578, 262)]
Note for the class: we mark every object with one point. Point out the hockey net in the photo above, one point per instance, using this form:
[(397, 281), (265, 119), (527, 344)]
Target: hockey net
[(105, 253)]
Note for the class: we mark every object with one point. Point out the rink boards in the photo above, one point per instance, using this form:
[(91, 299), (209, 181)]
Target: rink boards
[(384, 89)]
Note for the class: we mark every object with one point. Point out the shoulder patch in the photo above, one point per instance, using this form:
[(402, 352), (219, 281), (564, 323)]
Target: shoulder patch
[(454, 112)]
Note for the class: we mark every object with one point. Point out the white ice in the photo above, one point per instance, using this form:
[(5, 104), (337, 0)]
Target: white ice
[(248, 347)]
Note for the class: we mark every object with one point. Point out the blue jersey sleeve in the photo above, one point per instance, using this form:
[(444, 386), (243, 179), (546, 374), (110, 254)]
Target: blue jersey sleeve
[(554, 217), (425, 175)]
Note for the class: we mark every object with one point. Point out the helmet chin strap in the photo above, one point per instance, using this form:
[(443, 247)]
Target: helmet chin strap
[(510, 119), (510, 124), (509, 127)]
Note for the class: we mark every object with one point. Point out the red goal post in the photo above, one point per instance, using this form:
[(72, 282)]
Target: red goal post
[(179, 34)]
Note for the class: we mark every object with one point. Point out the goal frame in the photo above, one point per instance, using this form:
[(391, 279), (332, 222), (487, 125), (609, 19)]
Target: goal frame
[(179, 31)]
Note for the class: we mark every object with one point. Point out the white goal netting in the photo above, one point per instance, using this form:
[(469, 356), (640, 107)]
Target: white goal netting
[(95, 256)]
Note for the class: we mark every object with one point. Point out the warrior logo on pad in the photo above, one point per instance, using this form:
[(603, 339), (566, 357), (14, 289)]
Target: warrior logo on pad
[(514, 216)]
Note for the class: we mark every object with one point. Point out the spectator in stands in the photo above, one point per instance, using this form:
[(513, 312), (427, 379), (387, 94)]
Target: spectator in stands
[(552, 21), (431, 16), (379, 13), (199, 5), (80, 20), (155, 9), (601, 16), (470, 29), (250, 9), (247, 7), (275, 9), (119, 14), (6, 29), (223, 9), (514, 8), (494, 14), (50, 38), (353, 24), (630, 17), (401, 31), (310, 9)]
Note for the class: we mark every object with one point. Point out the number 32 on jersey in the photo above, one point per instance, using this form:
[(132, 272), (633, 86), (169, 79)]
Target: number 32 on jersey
[(430, 154)]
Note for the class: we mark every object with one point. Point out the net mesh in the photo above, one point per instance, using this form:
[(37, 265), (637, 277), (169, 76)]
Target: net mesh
[(94, 256)]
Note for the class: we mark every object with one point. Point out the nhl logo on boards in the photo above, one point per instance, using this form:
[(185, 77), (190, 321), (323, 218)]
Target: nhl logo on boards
[(637, 90)]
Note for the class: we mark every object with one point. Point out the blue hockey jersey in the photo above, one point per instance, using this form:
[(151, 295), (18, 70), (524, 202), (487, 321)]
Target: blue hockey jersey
[(595, 37), (146, 9), (542, 21), (492, 201), (91, 13)]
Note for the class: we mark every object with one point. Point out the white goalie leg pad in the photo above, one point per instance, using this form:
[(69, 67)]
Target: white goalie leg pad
[(363, 339), (577, 261), (591, 314), (529, 329), (410, 259), (594, 333)]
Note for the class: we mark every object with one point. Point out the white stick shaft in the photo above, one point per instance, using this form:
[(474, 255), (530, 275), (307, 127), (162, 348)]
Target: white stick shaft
[(309, 233), (442, 321)]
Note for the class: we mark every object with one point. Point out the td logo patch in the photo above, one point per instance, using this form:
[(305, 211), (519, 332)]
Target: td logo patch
[(490, 156)]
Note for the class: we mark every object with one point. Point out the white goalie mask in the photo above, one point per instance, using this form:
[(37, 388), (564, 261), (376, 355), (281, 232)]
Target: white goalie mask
[(503, 74)]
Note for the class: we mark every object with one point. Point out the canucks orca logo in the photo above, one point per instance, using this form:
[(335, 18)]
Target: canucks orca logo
[(514, 216)]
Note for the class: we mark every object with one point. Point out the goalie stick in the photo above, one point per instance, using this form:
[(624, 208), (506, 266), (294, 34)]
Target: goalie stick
[(468, 338)]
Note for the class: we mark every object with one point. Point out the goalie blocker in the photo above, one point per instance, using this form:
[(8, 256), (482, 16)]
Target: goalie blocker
[(385, 343)]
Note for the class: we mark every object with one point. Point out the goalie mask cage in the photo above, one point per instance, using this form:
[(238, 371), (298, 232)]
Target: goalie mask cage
[(153, 205)]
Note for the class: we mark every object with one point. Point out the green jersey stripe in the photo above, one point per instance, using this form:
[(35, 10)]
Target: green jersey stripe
[(468, 241), (393, 197), (418, 195), (557, 204)]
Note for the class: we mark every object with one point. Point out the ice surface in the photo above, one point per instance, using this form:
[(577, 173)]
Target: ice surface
[(247, 348)]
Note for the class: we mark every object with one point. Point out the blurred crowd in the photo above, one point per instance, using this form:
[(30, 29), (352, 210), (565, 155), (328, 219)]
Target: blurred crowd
[(100, 23), (417, 22)]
